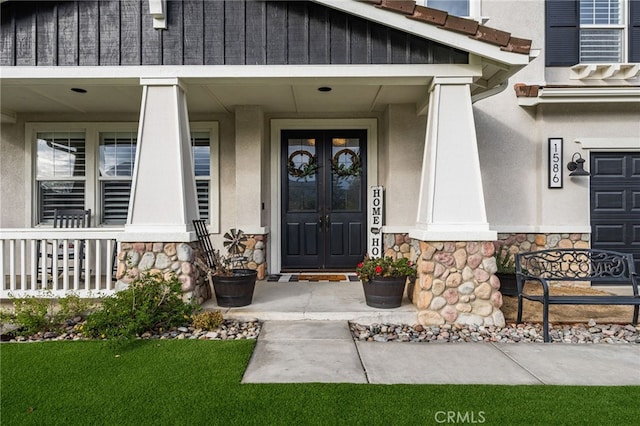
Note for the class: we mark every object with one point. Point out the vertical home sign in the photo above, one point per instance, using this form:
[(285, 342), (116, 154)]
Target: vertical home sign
[(376, 195), (555, 162)]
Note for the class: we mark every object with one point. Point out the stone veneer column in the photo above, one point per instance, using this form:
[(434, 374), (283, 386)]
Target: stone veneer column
[(166, 259), (158, 236), (457, 284), (456, 268)]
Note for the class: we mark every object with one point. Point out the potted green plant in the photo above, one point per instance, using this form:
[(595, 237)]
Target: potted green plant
[(383, 280), (233, 282), (506, 272)]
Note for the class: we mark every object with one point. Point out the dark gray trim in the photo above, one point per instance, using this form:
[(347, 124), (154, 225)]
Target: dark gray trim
[(634, 31), (562, 33)]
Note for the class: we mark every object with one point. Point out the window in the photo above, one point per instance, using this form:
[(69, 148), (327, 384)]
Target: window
[(592, 31), (60, 172), (602, 29), (463, 8), (117, 155), (454, 7), (90, 166), (201, 146)]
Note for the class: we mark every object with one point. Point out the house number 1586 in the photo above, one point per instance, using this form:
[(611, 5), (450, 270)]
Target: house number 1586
[(555, 162)]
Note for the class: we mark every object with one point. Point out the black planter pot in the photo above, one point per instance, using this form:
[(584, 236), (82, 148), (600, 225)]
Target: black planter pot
[(384, 292), (508, 284), (235, 290)]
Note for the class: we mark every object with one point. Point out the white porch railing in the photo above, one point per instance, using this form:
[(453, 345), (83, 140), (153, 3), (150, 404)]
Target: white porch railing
[(46, 262)]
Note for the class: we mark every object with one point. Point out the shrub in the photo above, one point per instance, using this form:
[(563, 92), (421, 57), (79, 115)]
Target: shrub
[(150, 303), (33, 314), (207, 320)]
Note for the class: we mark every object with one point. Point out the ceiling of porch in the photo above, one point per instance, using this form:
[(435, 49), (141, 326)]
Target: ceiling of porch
[(124, 96), (207, 96)]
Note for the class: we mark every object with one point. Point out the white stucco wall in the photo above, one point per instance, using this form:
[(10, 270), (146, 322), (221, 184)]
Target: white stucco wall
[(400, 162), (508, 139), (12, 176), (570, 205), (513, 140)]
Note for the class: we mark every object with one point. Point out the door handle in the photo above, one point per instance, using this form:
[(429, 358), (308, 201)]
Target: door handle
[(327, 221)]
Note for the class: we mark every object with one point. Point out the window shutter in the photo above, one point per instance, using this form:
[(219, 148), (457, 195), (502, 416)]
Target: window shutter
[(562, 33), (634, 31)]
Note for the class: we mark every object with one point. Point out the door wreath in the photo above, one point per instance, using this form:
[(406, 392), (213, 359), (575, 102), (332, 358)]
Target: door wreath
[(306, 168), (341, 169)]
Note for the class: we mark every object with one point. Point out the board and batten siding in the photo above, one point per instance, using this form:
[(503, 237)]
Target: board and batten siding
[(202, 32)]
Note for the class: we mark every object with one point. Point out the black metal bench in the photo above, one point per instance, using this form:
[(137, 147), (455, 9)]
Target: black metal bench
[(594, 266)]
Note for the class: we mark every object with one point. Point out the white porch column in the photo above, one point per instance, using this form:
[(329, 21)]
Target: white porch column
[(451, 200), (163, 192)]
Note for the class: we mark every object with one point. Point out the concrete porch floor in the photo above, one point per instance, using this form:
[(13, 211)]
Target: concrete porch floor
[(321, 301)]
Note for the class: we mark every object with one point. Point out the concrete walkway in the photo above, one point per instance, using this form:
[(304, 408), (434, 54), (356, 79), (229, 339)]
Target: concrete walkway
[(306, 338), (324, 351)]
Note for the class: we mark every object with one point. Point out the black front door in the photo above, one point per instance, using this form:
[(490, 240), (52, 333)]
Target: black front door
[(615, 202), (323, 199)]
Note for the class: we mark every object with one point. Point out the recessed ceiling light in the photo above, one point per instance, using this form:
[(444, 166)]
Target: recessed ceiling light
[(324, 89), (78, 90)]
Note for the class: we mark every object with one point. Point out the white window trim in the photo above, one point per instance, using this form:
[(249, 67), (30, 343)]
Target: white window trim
[(92, 132)]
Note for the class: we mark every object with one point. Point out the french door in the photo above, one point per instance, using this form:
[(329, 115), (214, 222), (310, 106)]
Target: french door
[(323, 199)]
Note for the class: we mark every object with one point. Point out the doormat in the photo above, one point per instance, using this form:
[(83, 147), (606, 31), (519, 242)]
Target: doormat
[(294, 278), (314, 277)]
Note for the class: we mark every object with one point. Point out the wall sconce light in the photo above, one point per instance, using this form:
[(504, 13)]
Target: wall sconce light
[(576, 166)]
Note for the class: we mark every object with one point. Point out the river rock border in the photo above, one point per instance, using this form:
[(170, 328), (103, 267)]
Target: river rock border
[(166, 259)]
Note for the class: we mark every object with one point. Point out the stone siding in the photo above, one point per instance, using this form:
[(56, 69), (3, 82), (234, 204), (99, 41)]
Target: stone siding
[(456, 281), (256, 254), (457, 284), (397, 246), (166, 259), (518, 243)]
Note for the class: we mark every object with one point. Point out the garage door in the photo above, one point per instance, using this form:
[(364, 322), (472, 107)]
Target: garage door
[(615, 202)]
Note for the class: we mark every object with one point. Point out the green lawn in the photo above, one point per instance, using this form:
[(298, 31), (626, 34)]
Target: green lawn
[(172, 382)]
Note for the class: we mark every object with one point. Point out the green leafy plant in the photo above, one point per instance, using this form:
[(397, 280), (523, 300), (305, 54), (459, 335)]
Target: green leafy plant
[(505, 262), (207, 320), (151, 302), (385, 267), (33, 314)]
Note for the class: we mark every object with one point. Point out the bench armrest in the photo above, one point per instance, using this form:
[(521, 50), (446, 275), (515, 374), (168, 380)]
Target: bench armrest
[(522, 277)]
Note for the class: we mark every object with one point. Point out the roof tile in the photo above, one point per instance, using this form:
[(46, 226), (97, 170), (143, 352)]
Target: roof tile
[(518, 45), (493, 36), (461, 25), (429, 15), (455, 23), (402, 6)]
